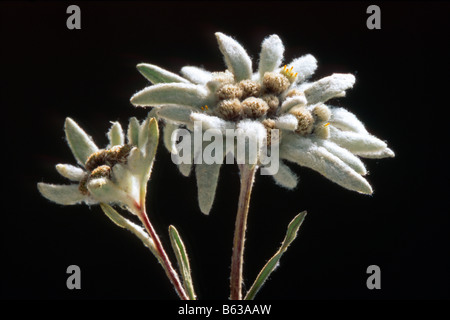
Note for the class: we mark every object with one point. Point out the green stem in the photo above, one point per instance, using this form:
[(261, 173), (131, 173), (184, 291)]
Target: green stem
[(237, 259)]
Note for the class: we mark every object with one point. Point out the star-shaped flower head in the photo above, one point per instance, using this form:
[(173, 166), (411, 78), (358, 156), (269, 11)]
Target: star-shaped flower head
[(313, 134), (117, 174)]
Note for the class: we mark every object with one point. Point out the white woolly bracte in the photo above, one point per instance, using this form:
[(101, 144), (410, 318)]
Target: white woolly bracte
[(106, 191), (254, 130), (305, 66), (63, 194), (384, 153), (271, 55), (345, 120), (175, 114), (143, 134), (186, 168), (235, 56), (329, 87), (349, 158), (306, 153), (207, 176), (157, 74), (196, 75), (183, 94), (211, 122), (133, 131), (115, 135), (285, 177), (292, 102), (286, 122), (135, 161), (356, 142), (70, 172), (80, 143), (127, 181)]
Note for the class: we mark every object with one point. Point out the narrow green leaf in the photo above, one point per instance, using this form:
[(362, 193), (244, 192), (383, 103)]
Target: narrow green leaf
[(119, 220), (158, 75), (183, 261), (270, 266)]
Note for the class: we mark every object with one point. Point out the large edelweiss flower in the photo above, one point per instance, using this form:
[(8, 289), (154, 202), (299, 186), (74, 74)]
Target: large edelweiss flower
[(312, 134), (117, 174)]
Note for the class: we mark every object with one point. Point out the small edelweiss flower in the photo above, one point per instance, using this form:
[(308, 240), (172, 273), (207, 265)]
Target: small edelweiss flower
[(327, 139), (117, 174)]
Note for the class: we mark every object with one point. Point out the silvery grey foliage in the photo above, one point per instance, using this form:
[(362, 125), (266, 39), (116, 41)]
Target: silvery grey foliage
[(277, 105), (313, 134), (120, 173)]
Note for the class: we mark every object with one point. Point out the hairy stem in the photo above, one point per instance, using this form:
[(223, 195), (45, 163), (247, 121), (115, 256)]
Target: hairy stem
[(237, 259), (163, 257)]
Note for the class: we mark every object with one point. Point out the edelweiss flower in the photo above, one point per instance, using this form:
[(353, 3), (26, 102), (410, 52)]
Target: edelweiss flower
[(118, 174), (312, 134)]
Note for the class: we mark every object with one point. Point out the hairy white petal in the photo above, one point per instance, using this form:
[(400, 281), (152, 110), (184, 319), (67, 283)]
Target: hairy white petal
[(345, 120), (158, 75), (172, 93), (254, 128), (292, 102), (305, 66), (176, 114), (256, 77), (62, 194), (384, 153), (115, 135), (349, 158), (305, 153), (271, 56), (329, 87), (285, 177), (236, 58), (356, 142), (286, 122), (211, 122), (80, 143), (133, 131), (196, 75), (70, 172), (207, 178), (256, 133)]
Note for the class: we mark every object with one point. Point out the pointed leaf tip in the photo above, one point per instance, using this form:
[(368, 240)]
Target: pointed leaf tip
[(183, 94), (271, 265), (271, 55), (61, 194), (183, 260), (115, 135), (79, 141), (157, 75), (236, 58)]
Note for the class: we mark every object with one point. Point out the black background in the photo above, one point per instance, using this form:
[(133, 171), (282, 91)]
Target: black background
[(49, 72)]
